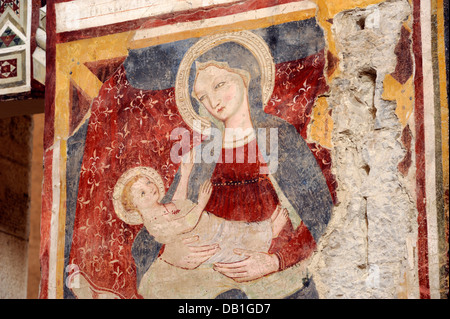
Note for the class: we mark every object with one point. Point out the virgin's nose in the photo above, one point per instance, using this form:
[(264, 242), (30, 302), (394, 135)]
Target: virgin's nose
[(215, 102)]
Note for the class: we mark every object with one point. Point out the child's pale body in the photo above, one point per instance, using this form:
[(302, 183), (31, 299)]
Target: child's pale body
[(182, 219)]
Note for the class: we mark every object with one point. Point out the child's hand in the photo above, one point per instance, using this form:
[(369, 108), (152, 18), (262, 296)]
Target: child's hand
[(279, 218), (187, 163), (204, 193)]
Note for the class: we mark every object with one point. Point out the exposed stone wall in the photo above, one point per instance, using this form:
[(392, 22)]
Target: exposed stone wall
[(367, 251)]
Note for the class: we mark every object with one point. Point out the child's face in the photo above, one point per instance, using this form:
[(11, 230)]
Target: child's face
[(144, 193)]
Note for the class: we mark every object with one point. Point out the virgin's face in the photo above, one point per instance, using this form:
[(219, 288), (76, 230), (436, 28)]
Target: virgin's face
[(221, 92)]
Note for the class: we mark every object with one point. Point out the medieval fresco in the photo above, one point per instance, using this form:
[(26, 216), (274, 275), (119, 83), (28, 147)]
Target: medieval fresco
[(193, 153), (196, 179)]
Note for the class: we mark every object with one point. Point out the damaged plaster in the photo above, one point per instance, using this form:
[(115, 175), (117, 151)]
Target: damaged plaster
[(367, 251)]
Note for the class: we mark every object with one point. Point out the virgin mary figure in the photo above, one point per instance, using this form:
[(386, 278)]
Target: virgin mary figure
[(223, 84)]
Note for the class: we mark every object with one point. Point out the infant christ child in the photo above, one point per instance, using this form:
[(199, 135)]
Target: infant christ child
[(182, 218)]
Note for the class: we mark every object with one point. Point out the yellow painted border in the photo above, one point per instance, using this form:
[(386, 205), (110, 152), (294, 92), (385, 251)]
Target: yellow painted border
[(226, 27), (70, 59), (61, 222), (443, 91), (403, 94), (443, 97)]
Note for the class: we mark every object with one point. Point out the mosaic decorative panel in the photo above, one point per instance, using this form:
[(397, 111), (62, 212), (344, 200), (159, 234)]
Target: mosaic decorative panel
[(10, 39), (14, 5), (12, 71), (15, 22)]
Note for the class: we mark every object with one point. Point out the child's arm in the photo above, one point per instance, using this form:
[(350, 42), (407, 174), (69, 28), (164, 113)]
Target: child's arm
[(186, 167), (204, 194), (167, 228), (190, 220)]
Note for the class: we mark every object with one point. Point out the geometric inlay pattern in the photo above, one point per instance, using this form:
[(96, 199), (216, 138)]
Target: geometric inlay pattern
[(8, 68), (9, 39), (13, 4)]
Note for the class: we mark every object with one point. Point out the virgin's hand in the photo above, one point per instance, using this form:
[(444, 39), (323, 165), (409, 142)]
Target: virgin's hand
[(184, 255), (256, 265)]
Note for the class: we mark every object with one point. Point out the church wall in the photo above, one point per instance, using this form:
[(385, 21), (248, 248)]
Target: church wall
[(373, 111)]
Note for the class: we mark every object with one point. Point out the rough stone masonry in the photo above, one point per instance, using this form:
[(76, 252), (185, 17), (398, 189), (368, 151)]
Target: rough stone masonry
[(368, 250)]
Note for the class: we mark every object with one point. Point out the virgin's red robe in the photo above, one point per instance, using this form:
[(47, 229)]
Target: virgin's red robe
[(242, 192)]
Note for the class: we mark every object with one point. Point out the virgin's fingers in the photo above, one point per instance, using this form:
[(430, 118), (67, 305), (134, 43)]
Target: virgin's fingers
[(231, 270), (206, 184), (244, 279), (190, 240), (205, 187), (204, 248), (241, 274), (198, 260), (235, 265), (203, 254)]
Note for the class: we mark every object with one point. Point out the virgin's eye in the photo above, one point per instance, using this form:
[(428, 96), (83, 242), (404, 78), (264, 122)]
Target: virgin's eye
[(219, 85), (202, 98)]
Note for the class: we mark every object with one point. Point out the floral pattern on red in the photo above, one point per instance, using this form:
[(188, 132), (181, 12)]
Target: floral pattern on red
[(129, 127)]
